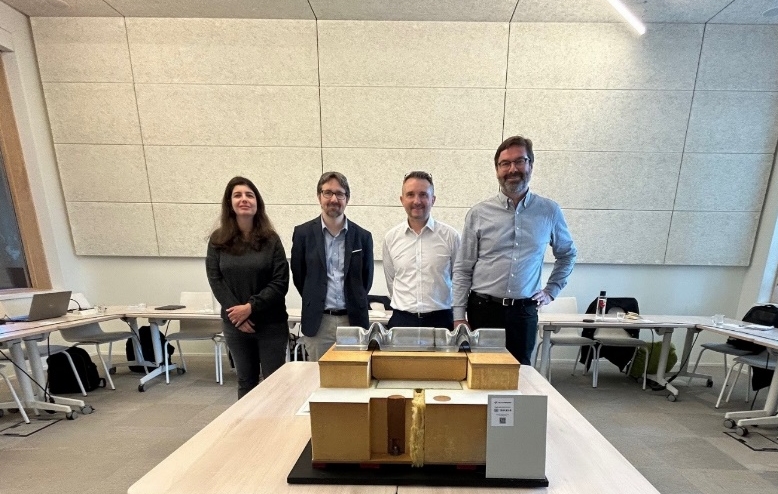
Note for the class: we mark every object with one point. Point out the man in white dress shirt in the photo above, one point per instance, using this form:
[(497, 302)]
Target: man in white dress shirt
[(419, 258)]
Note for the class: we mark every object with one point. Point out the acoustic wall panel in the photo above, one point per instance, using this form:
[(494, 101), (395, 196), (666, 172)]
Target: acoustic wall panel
[(103, 173), (739, 58), (712, 238), (112, 229)]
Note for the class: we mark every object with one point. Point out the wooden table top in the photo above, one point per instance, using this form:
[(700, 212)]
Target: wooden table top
[(253, 445)]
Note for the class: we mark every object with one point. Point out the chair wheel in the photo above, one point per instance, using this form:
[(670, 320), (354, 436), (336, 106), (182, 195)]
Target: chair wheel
[(709, 383), (180, 371), (729, 423), (741, 431), (87, 409), (672, 398), (112, 370), (141, 388), (2, 412), (71, 415)]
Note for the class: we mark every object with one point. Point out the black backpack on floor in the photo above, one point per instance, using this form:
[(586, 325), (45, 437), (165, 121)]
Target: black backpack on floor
[(147, 347), (61, 378)]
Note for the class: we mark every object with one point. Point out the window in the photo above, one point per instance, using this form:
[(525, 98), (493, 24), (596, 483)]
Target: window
[(13, 265)]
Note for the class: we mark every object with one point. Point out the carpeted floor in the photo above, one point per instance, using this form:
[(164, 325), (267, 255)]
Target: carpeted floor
[(680, 447)]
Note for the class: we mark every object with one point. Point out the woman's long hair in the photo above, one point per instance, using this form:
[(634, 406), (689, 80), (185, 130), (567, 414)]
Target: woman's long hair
[(228, 236)]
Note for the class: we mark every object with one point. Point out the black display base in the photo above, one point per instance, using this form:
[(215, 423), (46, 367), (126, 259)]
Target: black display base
[(429, 475)]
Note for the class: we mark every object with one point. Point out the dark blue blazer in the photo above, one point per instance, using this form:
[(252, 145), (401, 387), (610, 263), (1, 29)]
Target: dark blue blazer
[(309, 273)]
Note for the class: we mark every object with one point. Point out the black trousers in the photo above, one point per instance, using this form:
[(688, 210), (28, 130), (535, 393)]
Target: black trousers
[(520, 323), (265, 348), (436, 319)]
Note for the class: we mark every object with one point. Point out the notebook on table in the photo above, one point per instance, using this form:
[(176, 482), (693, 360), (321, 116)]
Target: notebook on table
[(46, 306)]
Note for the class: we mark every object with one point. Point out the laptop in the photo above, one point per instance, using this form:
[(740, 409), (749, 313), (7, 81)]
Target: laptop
[(46, 306)]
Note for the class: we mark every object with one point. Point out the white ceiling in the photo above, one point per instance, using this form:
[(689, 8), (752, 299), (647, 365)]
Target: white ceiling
[(673, 11)]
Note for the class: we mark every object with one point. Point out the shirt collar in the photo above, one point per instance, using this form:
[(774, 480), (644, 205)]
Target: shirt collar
[(429, 225), (324, 227), (505, 200)]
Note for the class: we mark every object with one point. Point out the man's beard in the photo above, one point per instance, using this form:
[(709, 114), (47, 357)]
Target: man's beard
[(514, 187)]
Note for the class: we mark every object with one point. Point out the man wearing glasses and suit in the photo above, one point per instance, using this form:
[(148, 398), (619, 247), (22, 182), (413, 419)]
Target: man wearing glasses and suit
[(497, 270), (332, 268)]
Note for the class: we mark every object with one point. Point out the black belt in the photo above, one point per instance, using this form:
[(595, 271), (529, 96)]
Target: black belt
[(336, 312), (422, 315), (521, 302)]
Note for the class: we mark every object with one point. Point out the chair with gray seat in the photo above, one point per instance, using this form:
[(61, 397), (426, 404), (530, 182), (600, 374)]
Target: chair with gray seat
[(12, 404), (566, 336), (93, 334)]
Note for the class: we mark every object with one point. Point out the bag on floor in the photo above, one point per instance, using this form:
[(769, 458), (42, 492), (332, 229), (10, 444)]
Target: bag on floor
[(654, 350), (61, 377), (147, 347)]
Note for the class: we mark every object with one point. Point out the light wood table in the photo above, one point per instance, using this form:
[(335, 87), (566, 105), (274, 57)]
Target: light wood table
[(252, 446)]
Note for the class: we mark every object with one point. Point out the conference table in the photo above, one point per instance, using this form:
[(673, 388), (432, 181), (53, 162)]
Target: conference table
[(662, 325), (14, 335), (769, 339), (252, 446)]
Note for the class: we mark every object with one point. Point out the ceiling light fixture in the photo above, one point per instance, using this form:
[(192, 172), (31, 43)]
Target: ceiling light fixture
[(628, 16)]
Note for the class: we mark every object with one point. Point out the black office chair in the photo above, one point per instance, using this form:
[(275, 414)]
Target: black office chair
[(618, 356)]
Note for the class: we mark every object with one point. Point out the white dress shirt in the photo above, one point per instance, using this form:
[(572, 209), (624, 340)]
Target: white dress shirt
[(418, 267)]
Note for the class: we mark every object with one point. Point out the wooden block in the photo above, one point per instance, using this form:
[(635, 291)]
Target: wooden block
[(340, 432), (344, 369), (492, 371), (425, 366), (455, 434)]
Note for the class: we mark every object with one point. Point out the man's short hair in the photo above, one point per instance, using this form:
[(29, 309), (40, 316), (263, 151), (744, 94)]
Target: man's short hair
[(421, 176), (342, 181), (515, 141)]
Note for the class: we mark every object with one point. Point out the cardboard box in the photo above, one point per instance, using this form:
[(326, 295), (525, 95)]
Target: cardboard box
[(492, 371), (423, 366), (344, 369)]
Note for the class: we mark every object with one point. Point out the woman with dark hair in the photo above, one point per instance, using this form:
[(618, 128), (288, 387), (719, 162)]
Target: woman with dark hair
[(249, 276)]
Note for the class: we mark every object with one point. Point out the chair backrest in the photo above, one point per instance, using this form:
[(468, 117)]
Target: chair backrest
[(766, 315), (385, 302), (198, 301), (612, 306), (78, 301)]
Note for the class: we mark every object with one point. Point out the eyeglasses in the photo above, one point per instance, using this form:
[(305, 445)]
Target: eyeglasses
[(519, 162), (327, 194)]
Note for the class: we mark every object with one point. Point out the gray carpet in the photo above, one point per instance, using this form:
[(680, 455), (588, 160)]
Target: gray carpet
[(680, 447)]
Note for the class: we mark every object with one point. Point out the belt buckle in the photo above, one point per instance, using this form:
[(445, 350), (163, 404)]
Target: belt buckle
[(507, 301)]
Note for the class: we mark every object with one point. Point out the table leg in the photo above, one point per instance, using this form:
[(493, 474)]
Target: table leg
[(659, 377), (159, 359), (40, 400), (545, 351), (687, 351)]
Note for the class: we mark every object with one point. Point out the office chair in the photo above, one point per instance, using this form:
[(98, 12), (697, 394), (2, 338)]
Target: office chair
[(198, 330), (565, 336), (12, 404), (47, 351), (93, 334)]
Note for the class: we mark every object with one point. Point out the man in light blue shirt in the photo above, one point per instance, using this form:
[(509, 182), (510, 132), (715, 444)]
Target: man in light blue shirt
[(497, 270)]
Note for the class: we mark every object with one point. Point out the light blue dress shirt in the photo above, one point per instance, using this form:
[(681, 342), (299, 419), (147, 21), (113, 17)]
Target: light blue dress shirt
[(334, 255)]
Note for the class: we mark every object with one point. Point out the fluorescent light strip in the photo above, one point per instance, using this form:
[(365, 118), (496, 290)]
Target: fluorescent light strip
[(628, 16)]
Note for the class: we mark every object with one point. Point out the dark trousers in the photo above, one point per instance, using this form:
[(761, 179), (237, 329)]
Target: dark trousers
[(436, 319), (265, 348), (520, 323)]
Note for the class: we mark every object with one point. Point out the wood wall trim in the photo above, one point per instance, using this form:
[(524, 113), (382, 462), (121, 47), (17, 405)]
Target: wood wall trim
[(13, 159)]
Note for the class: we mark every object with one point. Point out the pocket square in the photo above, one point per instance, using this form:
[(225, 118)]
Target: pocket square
[(355, 251)]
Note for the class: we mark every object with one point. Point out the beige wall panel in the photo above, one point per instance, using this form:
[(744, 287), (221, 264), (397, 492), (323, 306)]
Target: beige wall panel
[(603, 56), (112, 229), (454, 217), (461, 178), (229, 115), (92, 113), (285, 218), (250, 9), (103, 173), (712, 238), (723, 182), (733, 122), (69, 8), (746, 12), (591, 180), (422, 54), (81, 49), (223, 51), (618, 237), (413, 10), (412, 117), (198, 174), (739, 58), (569, 120), (679, 11), (183, 229)]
